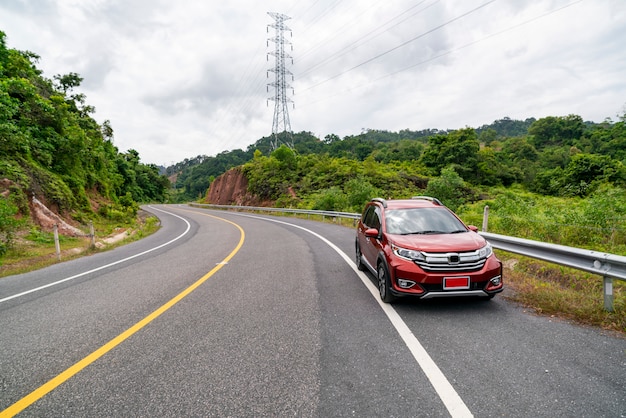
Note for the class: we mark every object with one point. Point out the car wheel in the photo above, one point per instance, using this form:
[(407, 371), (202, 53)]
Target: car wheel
[(384, 285), (359, 258)]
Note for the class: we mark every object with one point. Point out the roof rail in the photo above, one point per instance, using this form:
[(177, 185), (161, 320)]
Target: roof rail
[(380, 200), (432, 199)]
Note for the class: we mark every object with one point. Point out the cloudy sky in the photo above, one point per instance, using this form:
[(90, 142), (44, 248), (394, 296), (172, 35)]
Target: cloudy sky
[(184, 78)]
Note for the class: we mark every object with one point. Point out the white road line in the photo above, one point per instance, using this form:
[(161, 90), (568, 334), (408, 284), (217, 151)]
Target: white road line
[(105, 266), (450, 398)]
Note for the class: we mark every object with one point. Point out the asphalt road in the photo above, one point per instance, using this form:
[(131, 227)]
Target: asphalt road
[(239, 315)]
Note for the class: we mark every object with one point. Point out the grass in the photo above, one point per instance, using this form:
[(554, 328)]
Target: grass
[(35, 249), (563, 292), (28, 255)]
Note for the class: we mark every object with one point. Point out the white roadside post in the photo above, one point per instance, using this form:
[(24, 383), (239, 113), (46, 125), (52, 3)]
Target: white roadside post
[(57, 246)]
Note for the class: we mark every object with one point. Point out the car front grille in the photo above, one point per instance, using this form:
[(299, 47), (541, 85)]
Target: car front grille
[(453, 262), (438, 287)]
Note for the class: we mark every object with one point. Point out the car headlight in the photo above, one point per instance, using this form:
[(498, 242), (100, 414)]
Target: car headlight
[(411, 255), (486, 251)]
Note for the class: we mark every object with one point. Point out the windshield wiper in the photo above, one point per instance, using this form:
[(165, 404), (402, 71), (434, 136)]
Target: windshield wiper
[(423, 233), (433, 232)]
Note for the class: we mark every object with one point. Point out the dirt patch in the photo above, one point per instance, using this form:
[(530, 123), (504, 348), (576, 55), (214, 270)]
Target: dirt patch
[(120, 235), (5, 185), (231, 188), (47, 219)]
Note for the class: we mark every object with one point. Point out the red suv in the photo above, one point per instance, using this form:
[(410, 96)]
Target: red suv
[(419, 247)]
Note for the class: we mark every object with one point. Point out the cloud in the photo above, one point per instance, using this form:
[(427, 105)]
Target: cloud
[(180, 79)]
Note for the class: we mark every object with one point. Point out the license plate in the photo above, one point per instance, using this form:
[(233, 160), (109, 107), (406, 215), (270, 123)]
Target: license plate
[(456, 283)]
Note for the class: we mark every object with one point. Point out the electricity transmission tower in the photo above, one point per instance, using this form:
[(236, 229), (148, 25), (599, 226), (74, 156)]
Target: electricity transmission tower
[(281, 121)]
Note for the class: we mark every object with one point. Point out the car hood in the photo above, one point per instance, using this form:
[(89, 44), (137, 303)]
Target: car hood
[(439, 243)]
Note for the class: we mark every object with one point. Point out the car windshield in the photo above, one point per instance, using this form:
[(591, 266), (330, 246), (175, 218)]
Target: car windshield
[(422, 221)]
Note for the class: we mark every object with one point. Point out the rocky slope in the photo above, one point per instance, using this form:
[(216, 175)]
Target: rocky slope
[(231, 188)]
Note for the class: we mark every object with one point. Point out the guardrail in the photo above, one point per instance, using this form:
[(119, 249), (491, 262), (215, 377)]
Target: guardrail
[(609, 266), (323, 213)]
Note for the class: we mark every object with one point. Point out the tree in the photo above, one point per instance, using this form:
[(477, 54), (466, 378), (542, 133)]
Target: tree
[(519, 149), (285, 156), (67, 82), (581, 176), (359, 191), (458, 148), (586, 171), (450, 188), (107, 130), (556, 131), (403, 150), (330, 138), (488, 136)]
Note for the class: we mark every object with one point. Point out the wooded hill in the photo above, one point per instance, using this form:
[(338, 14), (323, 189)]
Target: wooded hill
[(51, 149), (556, 179), (559, 156)]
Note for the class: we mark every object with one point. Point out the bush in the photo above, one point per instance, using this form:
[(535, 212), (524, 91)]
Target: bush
[(450, 188), (358, 192), (8, 225), (332, 199)]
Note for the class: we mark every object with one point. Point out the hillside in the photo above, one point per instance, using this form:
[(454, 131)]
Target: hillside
[(558, 156), (531, 152), (57, 164)]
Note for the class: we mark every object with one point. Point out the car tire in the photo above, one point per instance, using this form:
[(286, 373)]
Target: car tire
[(359, 258), (384, 284)]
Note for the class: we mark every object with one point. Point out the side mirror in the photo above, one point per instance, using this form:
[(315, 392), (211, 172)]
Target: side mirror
[(472, 228), (371, 233)]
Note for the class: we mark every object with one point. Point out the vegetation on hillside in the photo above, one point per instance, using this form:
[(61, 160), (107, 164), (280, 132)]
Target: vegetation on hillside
[(562, 178), (52, 149)]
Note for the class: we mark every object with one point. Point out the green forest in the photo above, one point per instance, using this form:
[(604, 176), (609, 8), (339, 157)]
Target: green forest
[(52, 149), (555, 179)]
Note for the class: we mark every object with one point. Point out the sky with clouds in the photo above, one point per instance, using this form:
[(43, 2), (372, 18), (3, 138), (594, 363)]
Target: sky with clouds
[(184, 78)]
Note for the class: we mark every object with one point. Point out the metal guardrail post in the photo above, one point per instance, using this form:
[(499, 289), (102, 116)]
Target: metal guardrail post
[(608, 293), (92, 235), (57, 245), (485, 218)]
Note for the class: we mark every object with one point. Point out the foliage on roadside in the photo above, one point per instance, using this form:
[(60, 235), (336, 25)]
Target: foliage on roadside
[(597, 222), (35, 249), (8, 226), (565, 293), (52, 149), (313, 181)]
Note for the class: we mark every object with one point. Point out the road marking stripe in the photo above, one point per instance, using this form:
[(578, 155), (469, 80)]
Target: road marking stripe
[(67, 279), (450, 398), (49, 386)]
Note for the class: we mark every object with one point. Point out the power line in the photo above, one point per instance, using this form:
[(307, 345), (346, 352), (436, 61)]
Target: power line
[(400, 45), (364, 39), (353, 21), (448, 52)]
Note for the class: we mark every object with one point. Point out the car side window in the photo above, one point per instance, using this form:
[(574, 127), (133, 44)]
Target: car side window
[(371, 218), (367, 216), (376, 219)]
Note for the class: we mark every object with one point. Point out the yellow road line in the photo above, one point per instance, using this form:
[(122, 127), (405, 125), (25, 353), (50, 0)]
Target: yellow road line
[(49, 386)]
